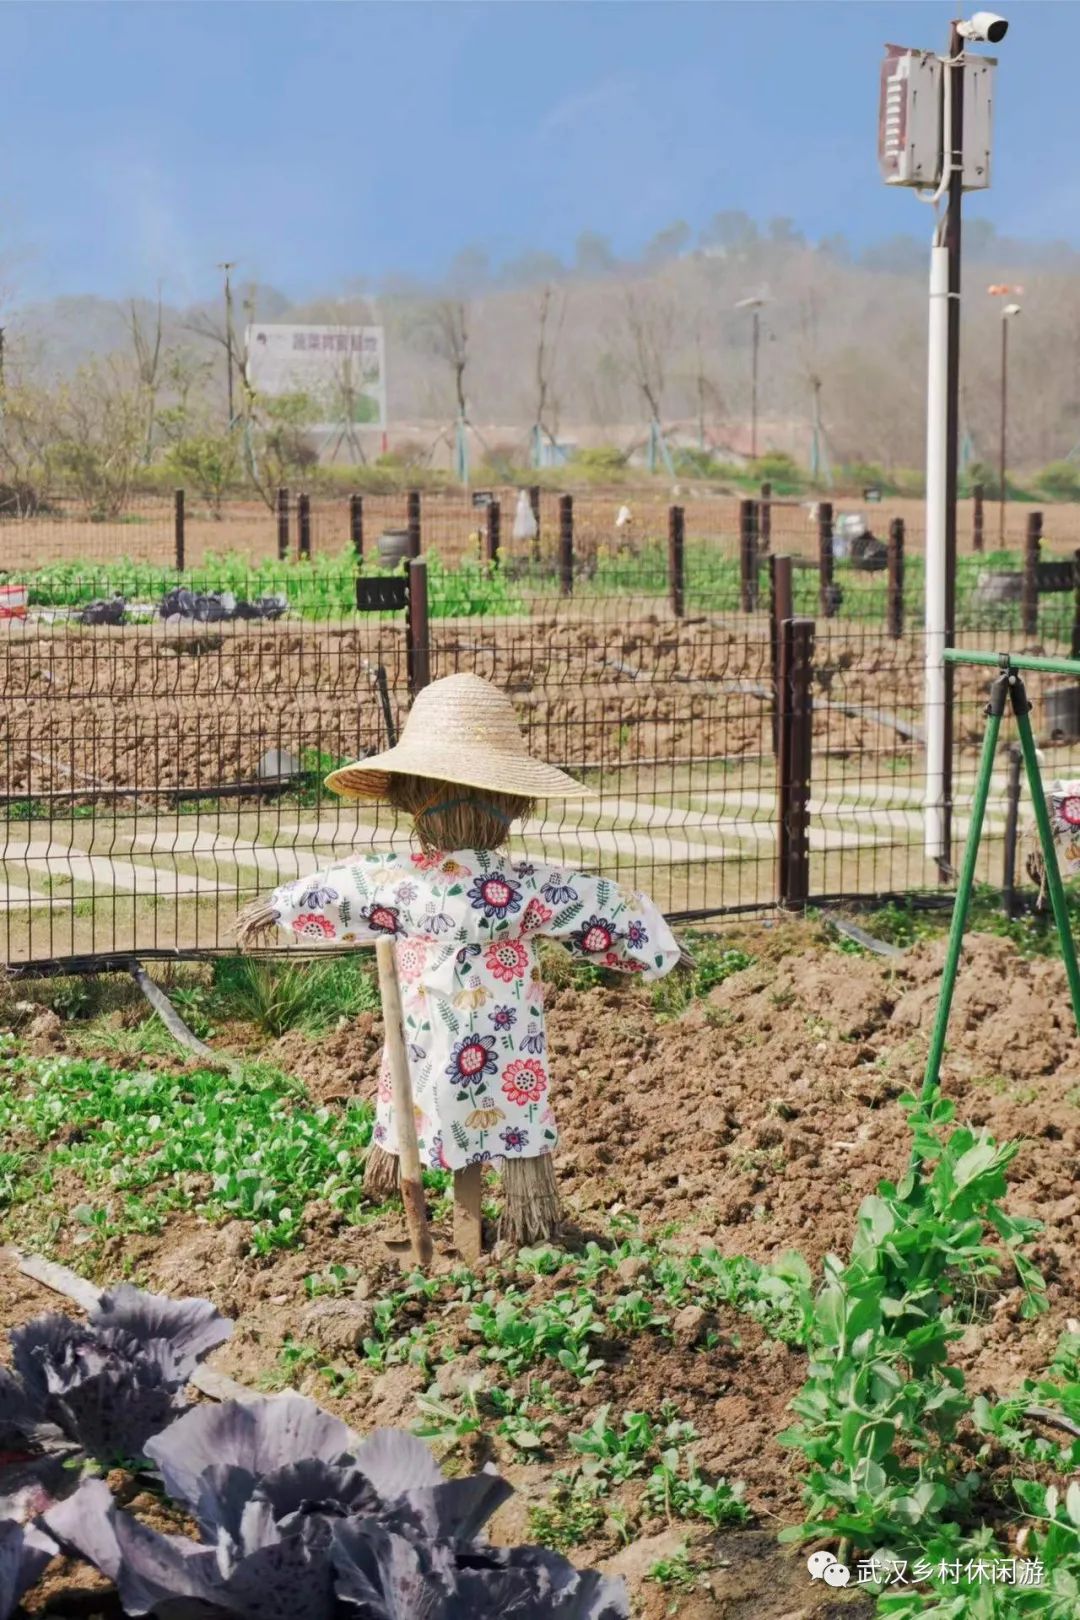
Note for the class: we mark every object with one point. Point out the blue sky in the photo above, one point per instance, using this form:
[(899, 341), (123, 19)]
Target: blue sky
[(315, 143)]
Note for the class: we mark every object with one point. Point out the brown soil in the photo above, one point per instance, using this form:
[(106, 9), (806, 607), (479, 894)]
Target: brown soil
[(146, 707), (453, 527), (756, 1121)]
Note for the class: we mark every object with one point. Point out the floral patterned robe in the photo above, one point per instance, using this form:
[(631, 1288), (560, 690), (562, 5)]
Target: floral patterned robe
[(463, 926)]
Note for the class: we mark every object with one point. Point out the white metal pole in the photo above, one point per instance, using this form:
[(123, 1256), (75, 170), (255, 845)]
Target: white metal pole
[(936, 510)]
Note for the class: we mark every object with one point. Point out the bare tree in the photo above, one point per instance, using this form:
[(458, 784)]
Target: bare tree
[(147, 347), (447, 323), (96, 434), (706, 393), (648, 322), (551, 314)]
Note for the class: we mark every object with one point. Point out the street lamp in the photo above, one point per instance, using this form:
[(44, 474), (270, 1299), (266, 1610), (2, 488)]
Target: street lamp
[(1007, 313), (228, 267), (755, 305)]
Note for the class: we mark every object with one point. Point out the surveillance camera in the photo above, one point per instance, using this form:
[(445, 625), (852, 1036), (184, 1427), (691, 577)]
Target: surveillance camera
[(985, 28)]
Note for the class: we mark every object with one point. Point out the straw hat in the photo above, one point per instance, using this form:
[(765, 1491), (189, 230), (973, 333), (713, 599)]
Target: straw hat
[(460, 729)]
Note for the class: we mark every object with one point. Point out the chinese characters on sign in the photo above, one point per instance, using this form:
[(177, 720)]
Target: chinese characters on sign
[(342, 370)]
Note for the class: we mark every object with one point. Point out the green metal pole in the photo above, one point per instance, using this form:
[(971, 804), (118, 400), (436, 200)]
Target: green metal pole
[(999, 693), (1045, 666), (1022, 709)]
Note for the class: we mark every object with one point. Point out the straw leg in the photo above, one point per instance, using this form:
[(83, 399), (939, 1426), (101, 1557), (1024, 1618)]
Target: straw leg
[(468, 1217), (532, 1212), (412, 1190), (380, 1174)]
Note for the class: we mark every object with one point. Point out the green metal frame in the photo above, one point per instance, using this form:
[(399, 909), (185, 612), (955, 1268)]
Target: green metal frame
[(1007, 690)]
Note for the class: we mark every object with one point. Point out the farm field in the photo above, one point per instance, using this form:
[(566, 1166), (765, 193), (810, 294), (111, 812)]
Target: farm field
[(634, 1384), (133, 817), (145, 532)]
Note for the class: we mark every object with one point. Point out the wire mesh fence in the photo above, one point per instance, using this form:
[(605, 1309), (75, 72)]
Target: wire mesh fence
[(159, 770)]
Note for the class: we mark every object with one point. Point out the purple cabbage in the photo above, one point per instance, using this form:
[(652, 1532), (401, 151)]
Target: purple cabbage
[(110, 1384), (296, 1526), (24, 1552)]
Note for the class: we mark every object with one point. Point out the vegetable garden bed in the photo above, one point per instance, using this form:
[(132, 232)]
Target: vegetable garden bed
[(634, 1386)]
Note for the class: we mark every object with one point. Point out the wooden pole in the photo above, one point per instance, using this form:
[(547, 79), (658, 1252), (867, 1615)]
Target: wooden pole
[(566, 544), (356, 526), (413, 523), (412, 1188), (282, 524), (468, 1212), (418, 636), (748, 561), (826, 598), (1032, 546), (781, 608), (895, 600), (534, 502), (676, 561), (303, 526), (494, 532), (178, 528)]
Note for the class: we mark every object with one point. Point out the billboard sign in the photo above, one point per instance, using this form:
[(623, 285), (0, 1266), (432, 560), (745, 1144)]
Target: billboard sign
[(341, 368)]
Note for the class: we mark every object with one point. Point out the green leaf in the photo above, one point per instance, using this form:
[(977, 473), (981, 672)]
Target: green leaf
[(829, 1314)]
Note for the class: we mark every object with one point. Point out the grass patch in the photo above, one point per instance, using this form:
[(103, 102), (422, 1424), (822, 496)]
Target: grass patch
[(279, 996), (1034, 933)]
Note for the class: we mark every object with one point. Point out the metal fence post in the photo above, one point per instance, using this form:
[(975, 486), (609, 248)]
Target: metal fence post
[(1074, 651), (494, 531), (748, 565), (566, 544), (794, 763), (282, 524), (356, 526), (781, 607), (765, 518), (676, 560), (977, 517), (413, 523), (178, 529), (826, 595), (416, 625), (303, 526), (534, 502), (1012, 831), (895, 605), (1030, 601)]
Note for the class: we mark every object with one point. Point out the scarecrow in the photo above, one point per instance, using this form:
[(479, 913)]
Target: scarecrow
[(464, 918), (1063, 805)]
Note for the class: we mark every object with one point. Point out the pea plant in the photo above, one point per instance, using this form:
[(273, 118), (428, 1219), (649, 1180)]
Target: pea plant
[(881, 1409)]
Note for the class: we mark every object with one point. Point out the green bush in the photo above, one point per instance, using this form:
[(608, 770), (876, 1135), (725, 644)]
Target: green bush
[(1060, 481), (601, 461), (868, 475), (780, 470)]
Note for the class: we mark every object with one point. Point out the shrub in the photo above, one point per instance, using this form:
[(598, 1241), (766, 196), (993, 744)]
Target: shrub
[(600, 461), (1060, 481)]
